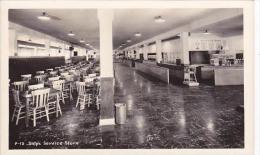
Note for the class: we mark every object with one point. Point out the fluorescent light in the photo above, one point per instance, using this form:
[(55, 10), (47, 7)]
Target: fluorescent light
[(71, 34), (44, 17), (159, 19), (129, 41), (138, 34), (87, 44), (82, 41)]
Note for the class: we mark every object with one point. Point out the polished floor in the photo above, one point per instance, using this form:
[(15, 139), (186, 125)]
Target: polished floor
[(158, 116)]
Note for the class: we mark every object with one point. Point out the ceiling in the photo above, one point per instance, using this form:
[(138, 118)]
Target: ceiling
[(84, 23)]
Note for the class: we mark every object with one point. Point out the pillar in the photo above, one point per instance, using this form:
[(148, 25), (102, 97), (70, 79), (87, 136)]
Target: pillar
[(12, 42), (105, 17), (145, 51), (158, 51), (184, 48)]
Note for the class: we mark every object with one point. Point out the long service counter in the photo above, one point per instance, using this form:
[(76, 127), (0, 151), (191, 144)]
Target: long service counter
[(153, 70), (223, 75)]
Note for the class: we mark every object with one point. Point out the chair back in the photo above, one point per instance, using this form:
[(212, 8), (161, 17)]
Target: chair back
[(64, 74), (58, 84), (50, 79), (39, 72), (69, 77), (36, 86), (40, 97), (16, 98), (49, 70), (26, 77), (89, 79), (39, 78), (81, 87), (92, 75), (53, 73), (20, 85)]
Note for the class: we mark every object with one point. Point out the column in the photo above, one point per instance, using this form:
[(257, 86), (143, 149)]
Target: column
[(158, 51), (184, 48), (12, 42), (105, 17), (145, 51)]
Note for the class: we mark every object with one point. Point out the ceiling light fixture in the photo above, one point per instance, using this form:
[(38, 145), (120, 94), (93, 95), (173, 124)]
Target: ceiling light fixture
[(129, 41), (138, 34), (71, 34), (159, 19), (44, 17), (87, 44), (206, 32)]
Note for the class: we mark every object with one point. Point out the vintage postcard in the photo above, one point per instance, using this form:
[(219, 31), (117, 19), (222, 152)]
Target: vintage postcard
[(112, 77)]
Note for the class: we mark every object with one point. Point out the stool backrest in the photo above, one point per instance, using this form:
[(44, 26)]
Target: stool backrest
[(20, 85), (40, 97)]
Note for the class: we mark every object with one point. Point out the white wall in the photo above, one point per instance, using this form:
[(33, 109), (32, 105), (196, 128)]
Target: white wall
[(19, 32), (234, 44), (172, 48)]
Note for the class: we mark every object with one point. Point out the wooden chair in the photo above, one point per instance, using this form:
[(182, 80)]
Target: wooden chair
[(53, 73), (26, 77), (50, 79), (39, 78), (64, 74), (20, 85), (36, 86), (92, 75), (49, 70), (83, 96), (19, 107), (39, 72), (59, 84), (70, 78), (38, 108)]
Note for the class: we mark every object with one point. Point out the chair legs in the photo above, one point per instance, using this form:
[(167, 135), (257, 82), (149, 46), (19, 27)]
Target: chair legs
[(47, 113), (14, 113), (34, 117), (18, 115)]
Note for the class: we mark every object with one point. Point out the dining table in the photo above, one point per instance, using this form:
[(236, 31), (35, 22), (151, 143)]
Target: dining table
[(28, 99)]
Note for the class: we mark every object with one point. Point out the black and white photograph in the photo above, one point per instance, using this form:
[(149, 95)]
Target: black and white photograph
[(178, 79), (121, 78)]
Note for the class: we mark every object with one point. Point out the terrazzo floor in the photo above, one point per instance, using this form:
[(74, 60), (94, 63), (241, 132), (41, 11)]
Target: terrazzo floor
[(158, 116)]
